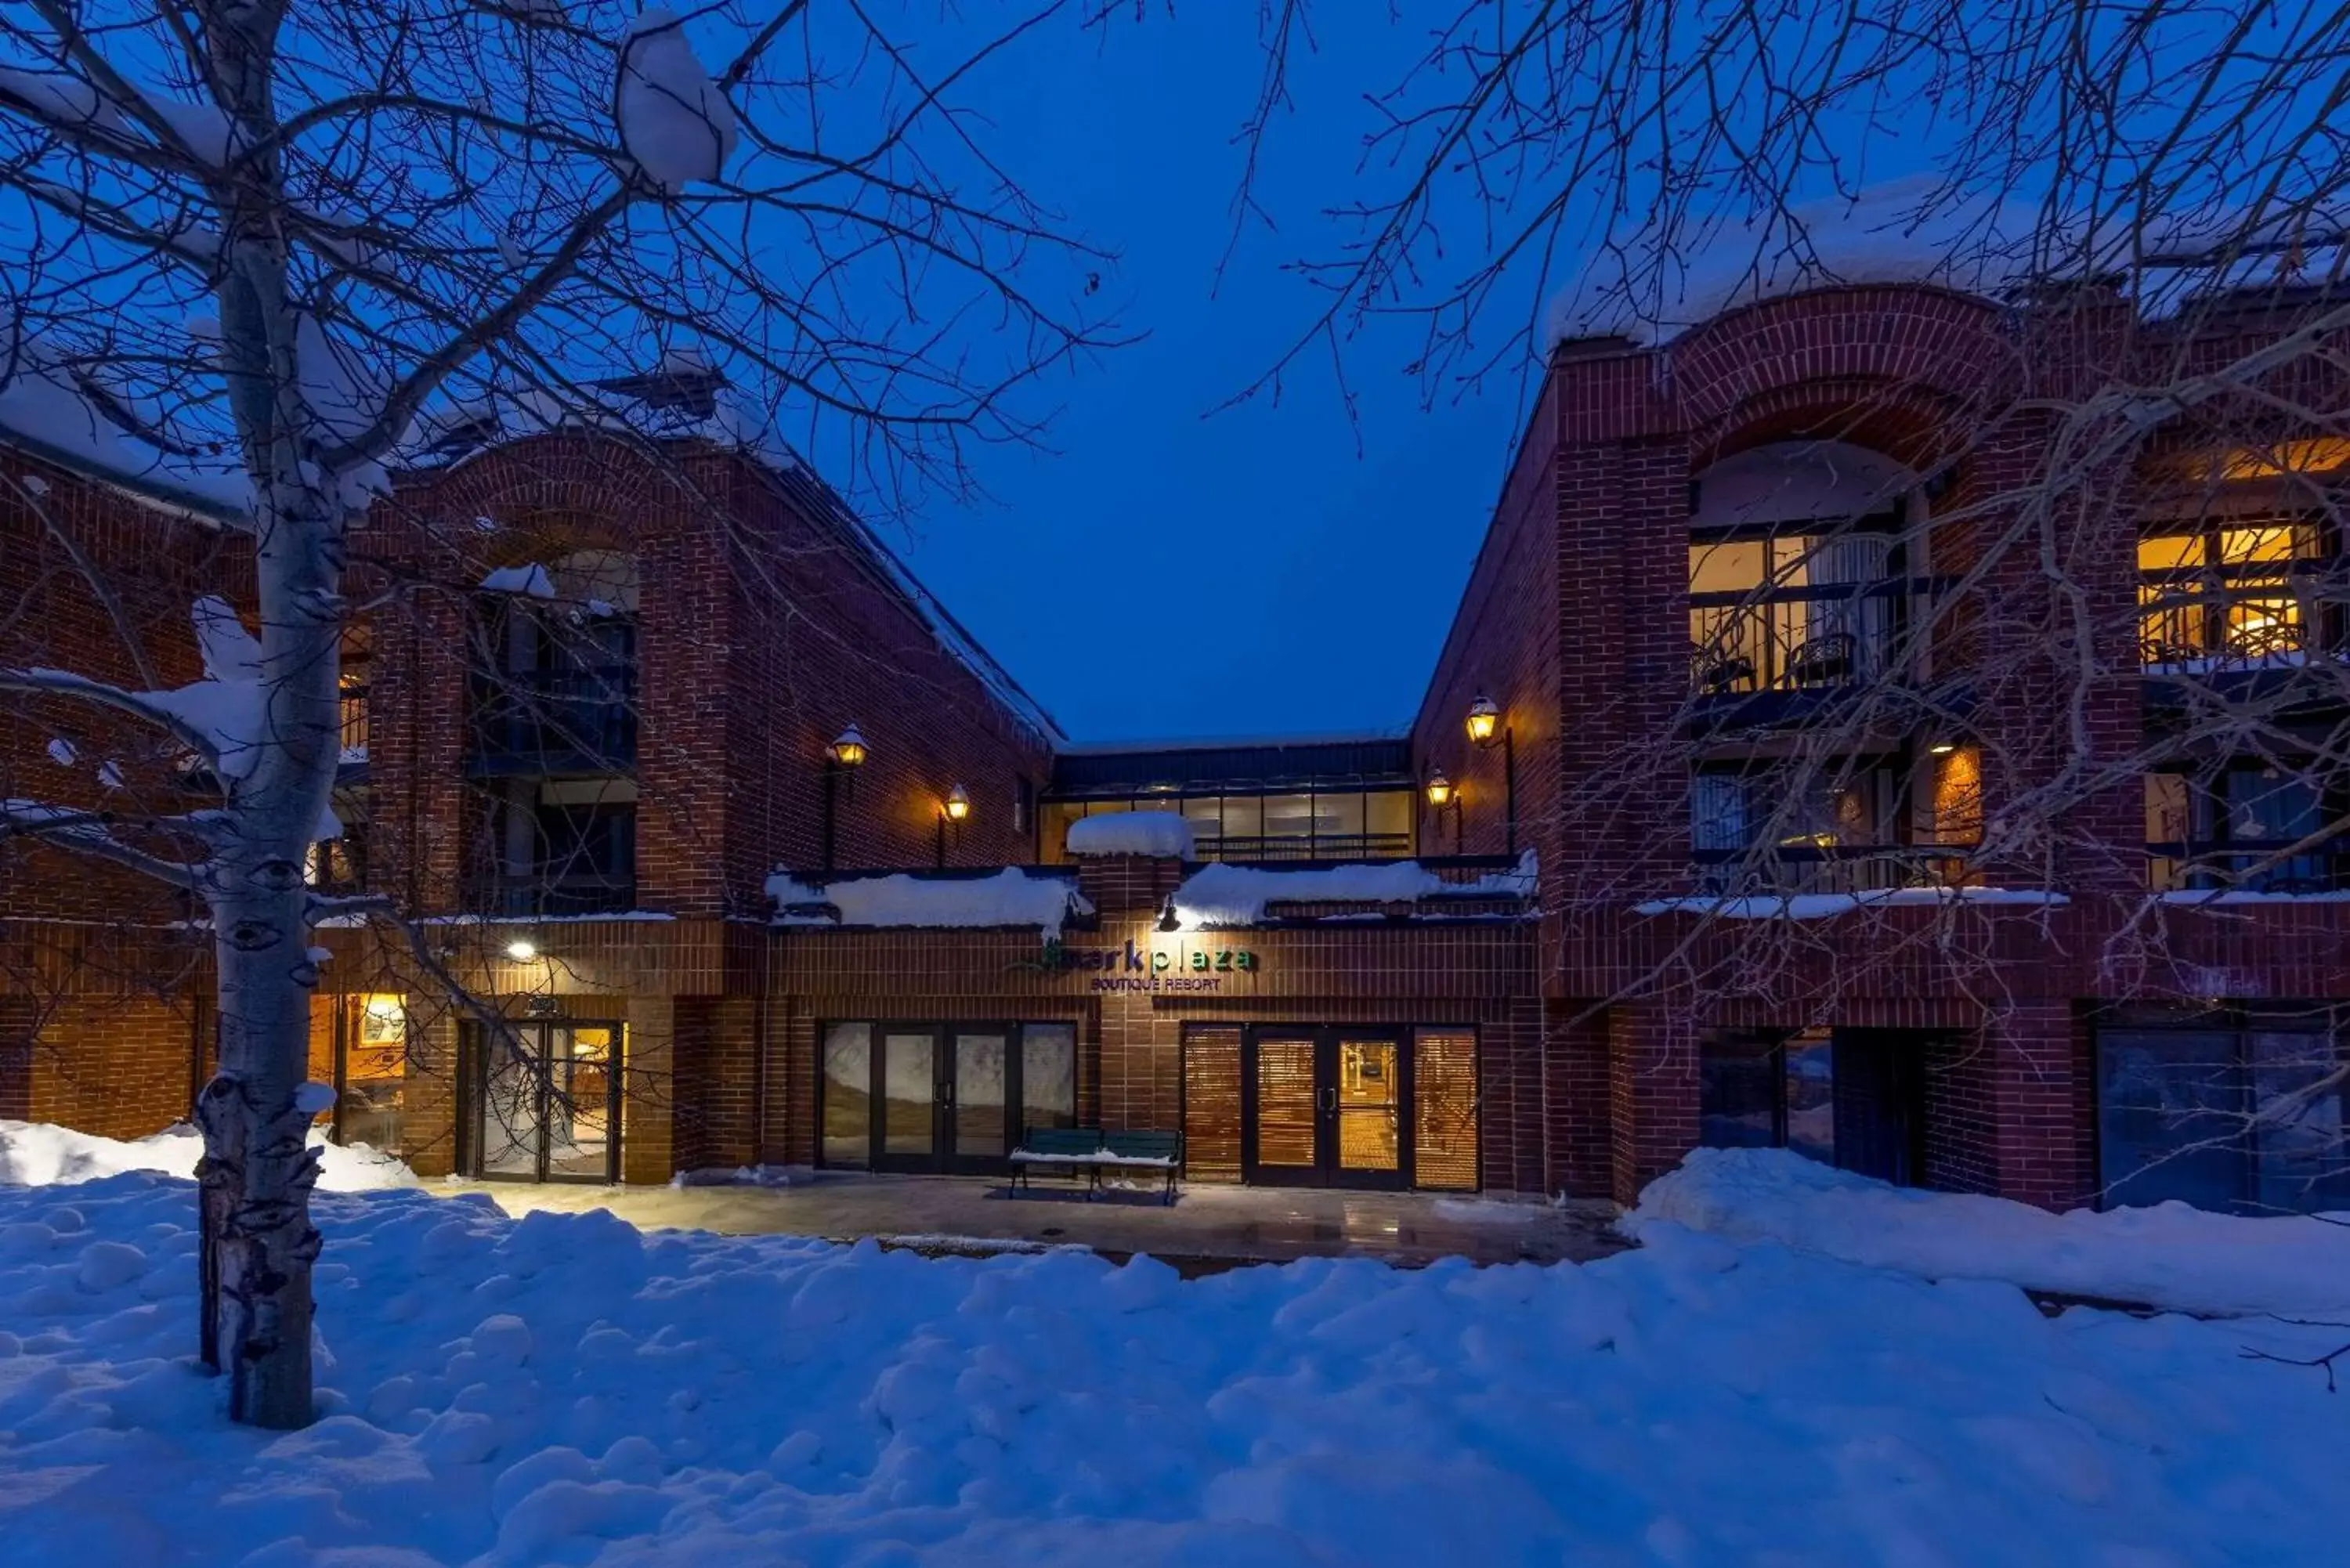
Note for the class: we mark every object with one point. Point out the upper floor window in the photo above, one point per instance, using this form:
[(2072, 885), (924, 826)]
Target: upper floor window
[(2222, 594), (1308, 824), (1800, 568), (2249, 825), (1849, 825)]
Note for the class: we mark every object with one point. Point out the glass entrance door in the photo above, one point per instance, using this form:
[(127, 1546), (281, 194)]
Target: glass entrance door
[(1326, 1107), (550, 1102), (926, 1098)]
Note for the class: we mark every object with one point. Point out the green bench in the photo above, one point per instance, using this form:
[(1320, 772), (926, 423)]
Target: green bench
[(1086, 1152)]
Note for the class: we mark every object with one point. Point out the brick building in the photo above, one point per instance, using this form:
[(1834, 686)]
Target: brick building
[(743, 852)]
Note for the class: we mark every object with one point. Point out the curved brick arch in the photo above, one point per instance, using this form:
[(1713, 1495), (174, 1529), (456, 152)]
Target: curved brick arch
[(1839, 348), (1916, 426), (588, 491)]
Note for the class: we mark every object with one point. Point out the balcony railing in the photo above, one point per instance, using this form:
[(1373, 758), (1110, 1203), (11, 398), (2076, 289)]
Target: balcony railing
[(580, 720), (1802, 641), (2247, 866), (1829, 869), (570, 893), (1321, 847)]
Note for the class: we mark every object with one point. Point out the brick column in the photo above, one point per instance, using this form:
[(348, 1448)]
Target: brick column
[(1577, 1158), (2006, 1105), (1652, 1090)]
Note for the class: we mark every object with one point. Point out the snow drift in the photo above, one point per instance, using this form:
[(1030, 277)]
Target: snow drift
[(2169, 1255), (37, 1153)]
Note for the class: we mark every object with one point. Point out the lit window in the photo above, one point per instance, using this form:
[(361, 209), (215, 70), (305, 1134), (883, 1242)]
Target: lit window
[(1793, 610), (2223, 595)]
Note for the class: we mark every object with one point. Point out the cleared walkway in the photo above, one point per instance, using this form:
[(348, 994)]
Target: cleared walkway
[(1210, 1228)]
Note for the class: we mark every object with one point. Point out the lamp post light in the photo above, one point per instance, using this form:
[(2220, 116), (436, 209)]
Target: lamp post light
[(1443, 797), (953, 809), (841, 759), (1485, 726)]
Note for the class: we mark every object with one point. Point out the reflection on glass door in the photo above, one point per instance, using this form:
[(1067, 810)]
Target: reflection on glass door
[(976, 1104), (550, 1102), (940, 1096), (909, 1098)]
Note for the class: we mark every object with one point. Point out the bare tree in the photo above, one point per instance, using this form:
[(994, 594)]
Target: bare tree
[(261, 251), (2143, 495)]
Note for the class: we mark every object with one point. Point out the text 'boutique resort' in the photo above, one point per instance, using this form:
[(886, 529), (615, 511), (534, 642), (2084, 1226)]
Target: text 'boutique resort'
[(1703, 831)]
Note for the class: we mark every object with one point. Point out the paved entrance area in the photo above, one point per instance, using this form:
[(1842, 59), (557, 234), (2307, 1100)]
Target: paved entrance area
[(1209, 1228)]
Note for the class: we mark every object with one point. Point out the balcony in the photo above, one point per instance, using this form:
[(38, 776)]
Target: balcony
[(2278, 868), (1789, 869), (1319, 847), (552, 894), (1802, 640), (579, 720)]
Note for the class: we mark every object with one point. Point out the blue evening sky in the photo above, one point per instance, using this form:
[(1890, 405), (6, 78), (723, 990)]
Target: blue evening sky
[(1164, 570)]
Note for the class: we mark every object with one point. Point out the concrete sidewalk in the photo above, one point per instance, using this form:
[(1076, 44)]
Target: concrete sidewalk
[(1210, 1228)]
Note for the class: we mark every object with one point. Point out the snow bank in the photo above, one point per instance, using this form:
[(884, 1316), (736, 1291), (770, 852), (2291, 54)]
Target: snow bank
[(1010, 897), (1222, 895), (1163, 834), (38, 1154), (564, 1389), (2170, 1255), (1821, 905), (673, 120)]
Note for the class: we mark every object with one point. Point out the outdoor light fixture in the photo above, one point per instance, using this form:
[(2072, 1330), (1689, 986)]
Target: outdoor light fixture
[(848, 750), (521, 951), (1169, 920), (1485, 724), (957, 803), (1443, 797), (841, 760), (1943, 748), (1486, 729)]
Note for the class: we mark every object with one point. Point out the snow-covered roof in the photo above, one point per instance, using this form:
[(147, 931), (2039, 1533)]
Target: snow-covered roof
[(49, 412), (1163, 834), (1224, 895), (683, 400), (1655, 285), (1012, 897)]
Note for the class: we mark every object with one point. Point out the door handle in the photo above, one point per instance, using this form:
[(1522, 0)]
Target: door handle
[(946, 1094), (1330, 1100)]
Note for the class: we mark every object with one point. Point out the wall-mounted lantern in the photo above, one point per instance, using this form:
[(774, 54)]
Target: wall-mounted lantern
[(1442, 796), (841, 760), (848, 749), (952, 810), (1486, 728)]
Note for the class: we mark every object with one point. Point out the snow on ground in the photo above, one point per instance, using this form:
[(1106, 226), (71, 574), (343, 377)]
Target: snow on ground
[(564, 1389), (37, 1153), (2169, 1255)]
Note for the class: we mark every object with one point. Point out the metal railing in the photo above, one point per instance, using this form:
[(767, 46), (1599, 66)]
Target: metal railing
[(1319, 847), (580, 718), (570, 893), (1803, 640), (1830, 869), (2246, 866)]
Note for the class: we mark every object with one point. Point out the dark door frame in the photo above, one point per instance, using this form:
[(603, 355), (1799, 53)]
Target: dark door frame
[(536, 1031), (1326, 1170)]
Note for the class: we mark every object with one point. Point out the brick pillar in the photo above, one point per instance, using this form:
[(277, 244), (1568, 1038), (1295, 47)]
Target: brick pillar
[(1577, 1156), (418, 696), (2005, 1108), (1127, 885), (1652, 1090)]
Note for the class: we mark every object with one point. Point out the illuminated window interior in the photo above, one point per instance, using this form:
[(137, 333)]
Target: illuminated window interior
[(1793, 611), (2223, 594)]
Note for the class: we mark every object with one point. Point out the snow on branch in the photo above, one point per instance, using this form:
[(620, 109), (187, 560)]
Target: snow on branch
[(673, 119)]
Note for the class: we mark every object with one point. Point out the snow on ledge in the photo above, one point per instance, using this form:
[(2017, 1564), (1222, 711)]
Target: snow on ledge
[(1161, 833), (2169, 1255), (1224, 895), (1010, 897), (1821, 905), (2196, 897), (531, 581)]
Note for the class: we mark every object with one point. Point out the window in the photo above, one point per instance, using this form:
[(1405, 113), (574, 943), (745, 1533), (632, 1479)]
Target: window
[(848, 1094), (2223, 595), (2237, 1109), (2261, 826), (352, 692), (371, 1075), (1319, 824), (938, 1097), (1768, 1089), (1794, 611), (1803, 829)]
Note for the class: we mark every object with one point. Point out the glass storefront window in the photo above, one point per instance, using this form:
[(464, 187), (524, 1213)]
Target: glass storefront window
[(371, 1106), (1244, 822), (1765, 1088), (1048, 1076), (1387, 816), (848, 1095), (1326, 825)]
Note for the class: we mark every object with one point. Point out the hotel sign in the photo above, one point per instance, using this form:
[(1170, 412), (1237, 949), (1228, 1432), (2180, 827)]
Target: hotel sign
[(1176, 966)]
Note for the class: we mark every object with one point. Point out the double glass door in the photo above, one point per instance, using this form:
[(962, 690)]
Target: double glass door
[(942, 1096), (1326, 1107), (550, 1102)]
